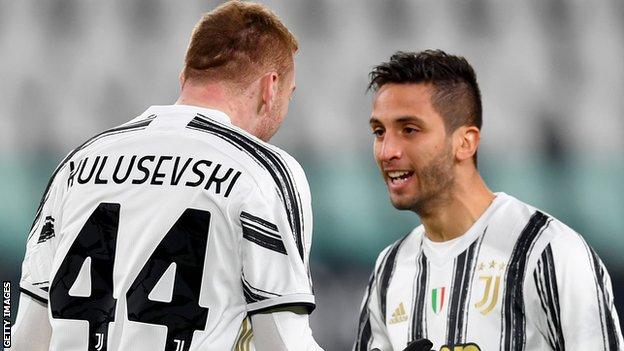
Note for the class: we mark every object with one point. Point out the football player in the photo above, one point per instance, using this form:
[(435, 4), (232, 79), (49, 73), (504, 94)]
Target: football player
[(484, 271)]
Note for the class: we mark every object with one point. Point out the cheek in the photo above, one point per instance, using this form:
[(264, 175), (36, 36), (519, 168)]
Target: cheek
[(424, 151)]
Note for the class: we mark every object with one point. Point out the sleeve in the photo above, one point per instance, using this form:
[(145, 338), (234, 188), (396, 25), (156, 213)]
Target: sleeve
[(274, 256), (42, 242), (372, 331), (31, 316), (573, 289), (283, 331)]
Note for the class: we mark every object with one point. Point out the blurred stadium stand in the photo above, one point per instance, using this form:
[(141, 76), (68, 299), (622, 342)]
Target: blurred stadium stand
[(551, 75)]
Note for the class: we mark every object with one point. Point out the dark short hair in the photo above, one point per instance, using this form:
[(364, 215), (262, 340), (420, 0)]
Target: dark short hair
[(455, 96)]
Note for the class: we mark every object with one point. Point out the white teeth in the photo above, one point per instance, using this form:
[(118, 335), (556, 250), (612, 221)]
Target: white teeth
[(397, 174)]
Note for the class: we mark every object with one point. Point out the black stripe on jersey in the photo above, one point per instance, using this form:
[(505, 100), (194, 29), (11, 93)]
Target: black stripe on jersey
[(513, 333), (267, 294), (538, 278), (271, 161), (605, 302), (269, 242), (458, 273), (473, 255), (34, 296), (258, 220), (465, 265), (254, 295), (41, 285), (309, 306), (546, 282), (261, 229), (250, 296), (386, 275), (364, 330), (550, 280), (419, 316), (260, 225), (138, 125)]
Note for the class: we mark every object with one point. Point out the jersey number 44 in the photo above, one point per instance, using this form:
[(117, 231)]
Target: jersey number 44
[(184, 246)]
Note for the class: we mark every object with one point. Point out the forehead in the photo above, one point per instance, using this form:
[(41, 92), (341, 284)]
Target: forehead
[(393, 101)]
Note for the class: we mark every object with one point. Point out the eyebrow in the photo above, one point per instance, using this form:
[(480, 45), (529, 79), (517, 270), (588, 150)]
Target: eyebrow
[(401, 119)]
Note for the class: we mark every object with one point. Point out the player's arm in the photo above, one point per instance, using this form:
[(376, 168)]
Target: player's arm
[(275, 279), (573, 289), (32, 330), (283, 330), (372, 331)]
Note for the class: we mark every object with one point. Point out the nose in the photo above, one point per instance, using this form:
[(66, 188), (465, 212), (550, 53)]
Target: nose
[(389, 149)]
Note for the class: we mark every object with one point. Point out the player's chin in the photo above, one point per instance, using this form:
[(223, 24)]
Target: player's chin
[(401, 201)]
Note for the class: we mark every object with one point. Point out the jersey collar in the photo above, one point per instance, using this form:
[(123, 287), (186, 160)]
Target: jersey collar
[(217, 115), (440, 253)]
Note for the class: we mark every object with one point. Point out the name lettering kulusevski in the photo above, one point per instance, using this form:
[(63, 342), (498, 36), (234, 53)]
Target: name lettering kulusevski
[(154, 170)]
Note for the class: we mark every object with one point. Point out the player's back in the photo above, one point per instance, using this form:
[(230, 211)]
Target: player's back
[(156, 235)]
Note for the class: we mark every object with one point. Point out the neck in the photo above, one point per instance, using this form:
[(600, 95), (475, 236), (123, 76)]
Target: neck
[(216, 96), (458, 209)]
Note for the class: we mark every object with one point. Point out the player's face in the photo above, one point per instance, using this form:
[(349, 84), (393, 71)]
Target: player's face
[(412, 148)]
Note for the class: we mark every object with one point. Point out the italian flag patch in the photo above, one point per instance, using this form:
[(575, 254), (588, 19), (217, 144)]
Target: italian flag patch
[(437, 299)]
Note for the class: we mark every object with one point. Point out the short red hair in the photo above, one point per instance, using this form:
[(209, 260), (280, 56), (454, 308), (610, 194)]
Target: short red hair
[(238, 41)]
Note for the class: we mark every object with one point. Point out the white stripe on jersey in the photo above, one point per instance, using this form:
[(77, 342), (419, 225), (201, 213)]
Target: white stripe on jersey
[(516, 280)]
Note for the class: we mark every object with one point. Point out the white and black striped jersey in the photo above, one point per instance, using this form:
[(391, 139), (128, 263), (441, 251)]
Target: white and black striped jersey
[(166, 233), (518, 279)]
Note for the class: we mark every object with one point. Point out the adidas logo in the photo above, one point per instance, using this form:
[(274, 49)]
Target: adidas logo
[(399, 315)]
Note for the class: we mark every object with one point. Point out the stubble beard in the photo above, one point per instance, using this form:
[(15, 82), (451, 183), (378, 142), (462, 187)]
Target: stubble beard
[(435, 184), (269, 125), (272, 122)]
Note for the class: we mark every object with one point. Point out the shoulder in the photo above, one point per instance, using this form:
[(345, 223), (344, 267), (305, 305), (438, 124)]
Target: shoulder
[(285, 164), (408, 245), (269, 164), (527, 224), (282, 162), (516, 212), (275, 173), (550, 226), (138, 123), (557, 235), (553, 238), (565, 242)]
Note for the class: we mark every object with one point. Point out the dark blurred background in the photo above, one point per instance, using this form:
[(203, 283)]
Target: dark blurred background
[(551, 74)]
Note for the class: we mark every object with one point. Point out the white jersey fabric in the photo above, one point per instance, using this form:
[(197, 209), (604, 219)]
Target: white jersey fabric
[(166, 233), (518, 279)]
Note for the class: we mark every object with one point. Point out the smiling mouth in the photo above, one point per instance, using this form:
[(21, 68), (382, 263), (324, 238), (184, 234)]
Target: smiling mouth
[(399, 177)]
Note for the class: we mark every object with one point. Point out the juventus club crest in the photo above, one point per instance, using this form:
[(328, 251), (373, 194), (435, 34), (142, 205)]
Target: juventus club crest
[(438, 297), (492, 282)]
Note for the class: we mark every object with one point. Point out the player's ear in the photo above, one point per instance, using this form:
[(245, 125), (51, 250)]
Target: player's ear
[(268, 92), (468, 142)]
